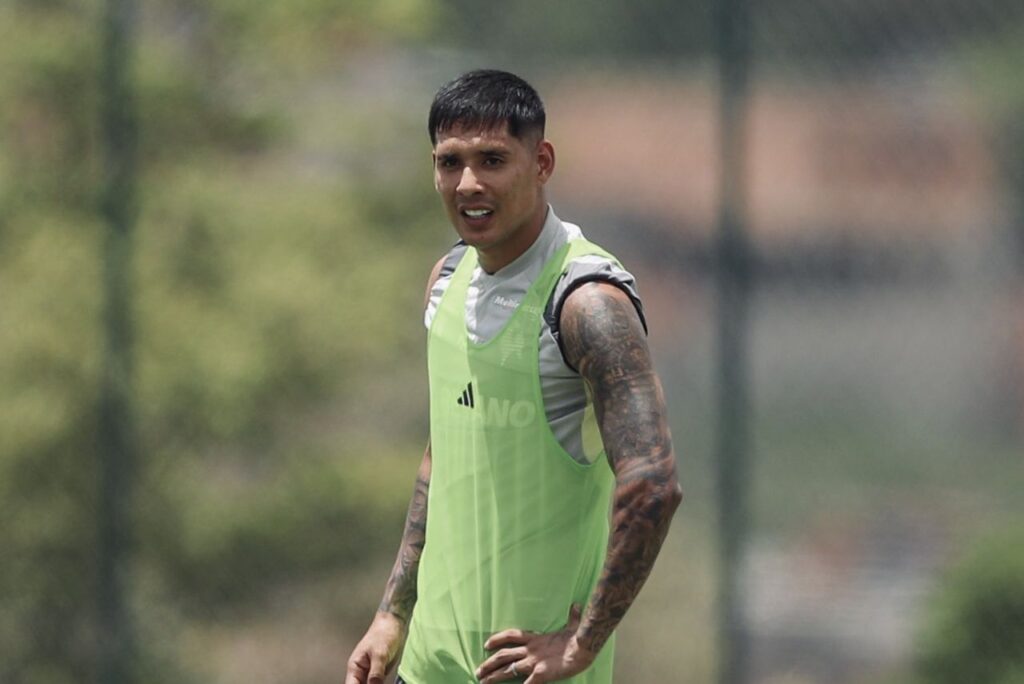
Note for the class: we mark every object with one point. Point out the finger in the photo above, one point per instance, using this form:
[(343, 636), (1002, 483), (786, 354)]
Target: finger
[(507, 673), (509, 637), (499, 660), (357, 668), (378, 669), (536, 677)]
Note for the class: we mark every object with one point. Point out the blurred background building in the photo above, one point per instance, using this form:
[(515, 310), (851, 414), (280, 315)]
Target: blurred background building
[(285, 227)]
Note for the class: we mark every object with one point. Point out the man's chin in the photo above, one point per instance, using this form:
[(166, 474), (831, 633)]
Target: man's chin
[(478, 238)]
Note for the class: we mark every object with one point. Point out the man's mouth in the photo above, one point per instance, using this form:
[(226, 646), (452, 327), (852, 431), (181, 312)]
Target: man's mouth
[(477, 213)]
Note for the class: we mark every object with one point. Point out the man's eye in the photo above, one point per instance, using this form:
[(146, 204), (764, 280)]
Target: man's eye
[(446, 163), (493, 161)]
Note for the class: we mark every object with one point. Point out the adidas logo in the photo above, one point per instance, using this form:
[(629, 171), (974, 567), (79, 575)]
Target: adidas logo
[(467, 397), (497, 411)]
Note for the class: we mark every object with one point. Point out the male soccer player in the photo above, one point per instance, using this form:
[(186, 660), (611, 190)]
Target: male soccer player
[(544, 409)]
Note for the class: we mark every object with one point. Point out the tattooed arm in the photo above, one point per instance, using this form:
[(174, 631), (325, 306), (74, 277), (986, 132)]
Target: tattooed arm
[(374, 656), (400, 592), (603, 337)]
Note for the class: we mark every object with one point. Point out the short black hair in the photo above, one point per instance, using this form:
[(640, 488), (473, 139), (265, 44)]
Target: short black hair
[(486, 99)]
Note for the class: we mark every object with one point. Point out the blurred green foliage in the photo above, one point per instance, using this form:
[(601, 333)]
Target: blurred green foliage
[(267, 296), (225, 547), (975, 628)]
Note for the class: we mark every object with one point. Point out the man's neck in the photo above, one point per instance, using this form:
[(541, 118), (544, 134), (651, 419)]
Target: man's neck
[(493, 261)]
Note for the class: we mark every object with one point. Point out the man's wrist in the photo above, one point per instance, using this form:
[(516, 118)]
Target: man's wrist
[(390, 616), (579, 652)]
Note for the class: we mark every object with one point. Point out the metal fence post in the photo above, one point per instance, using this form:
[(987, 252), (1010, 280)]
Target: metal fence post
[(734, 271), (117, 436)]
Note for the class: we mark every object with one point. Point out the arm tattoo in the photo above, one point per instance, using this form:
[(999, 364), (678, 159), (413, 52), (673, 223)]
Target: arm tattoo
[(400, 593), (604, 339)]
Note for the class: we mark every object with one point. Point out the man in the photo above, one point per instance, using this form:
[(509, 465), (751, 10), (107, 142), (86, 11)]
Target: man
[(544, 408)]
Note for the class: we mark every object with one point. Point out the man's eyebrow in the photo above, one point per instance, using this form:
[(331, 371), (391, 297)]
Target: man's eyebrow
[(494, 152)]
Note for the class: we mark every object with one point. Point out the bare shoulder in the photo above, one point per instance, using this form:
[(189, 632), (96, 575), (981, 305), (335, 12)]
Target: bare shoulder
[(600, 325), (435, 273)]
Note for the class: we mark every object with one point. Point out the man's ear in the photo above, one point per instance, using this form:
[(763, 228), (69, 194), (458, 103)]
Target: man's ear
[(545, 160), (433, 166)]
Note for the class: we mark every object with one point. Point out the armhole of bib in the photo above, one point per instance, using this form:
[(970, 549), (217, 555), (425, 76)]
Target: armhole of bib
[(553, 313)]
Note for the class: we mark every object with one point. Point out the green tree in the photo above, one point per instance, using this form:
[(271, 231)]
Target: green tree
[(268, 291), (974, 631)]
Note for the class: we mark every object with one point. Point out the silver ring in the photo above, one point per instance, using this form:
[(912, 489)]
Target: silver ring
[(512, 669)]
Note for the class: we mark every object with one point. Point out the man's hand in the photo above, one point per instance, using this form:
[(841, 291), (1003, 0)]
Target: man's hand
[(374, 656), (537, 658)]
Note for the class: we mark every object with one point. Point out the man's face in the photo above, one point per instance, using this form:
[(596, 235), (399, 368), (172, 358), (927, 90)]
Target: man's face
[(491, 184)]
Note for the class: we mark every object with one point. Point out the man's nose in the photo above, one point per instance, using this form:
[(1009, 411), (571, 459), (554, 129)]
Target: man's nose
[(469, 184)]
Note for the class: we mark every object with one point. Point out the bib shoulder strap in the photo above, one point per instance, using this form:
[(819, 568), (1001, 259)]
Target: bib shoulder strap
[(583, 247)]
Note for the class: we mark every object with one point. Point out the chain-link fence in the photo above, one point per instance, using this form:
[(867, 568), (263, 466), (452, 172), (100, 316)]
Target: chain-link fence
[(287, 223)]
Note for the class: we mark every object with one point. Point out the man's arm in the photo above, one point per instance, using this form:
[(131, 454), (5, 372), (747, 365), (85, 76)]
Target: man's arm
[(605, 340), (374, 656), (400, 592), (603, 337)]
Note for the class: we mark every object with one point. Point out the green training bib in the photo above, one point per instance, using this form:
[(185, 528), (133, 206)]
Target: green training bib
[(516, 528)]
